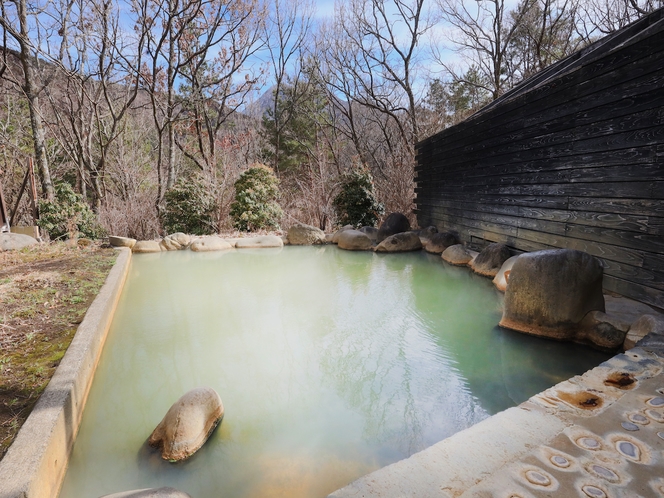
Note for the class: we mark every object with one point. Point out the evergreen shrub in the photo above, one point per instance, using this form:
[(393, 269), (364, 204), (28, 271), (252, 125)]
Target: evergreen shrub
[(255, 206)]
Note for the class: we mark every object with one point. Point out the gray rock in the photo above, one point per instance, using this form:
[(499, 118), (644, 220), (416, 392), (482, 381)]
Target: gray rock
[(337, 234), (550, 292), (438, 242), (175, 242), (502, 277), (371, 232), (208, 244), (305, 235), (644, 325), (15, 241), (117, 241), (188, 424), (490, 259), (328, 238), (602, 331), (150, 493), (143, 246), (393, 224), (428, 232), (457, 255), (259, 242), (354, 240), (400, 242)]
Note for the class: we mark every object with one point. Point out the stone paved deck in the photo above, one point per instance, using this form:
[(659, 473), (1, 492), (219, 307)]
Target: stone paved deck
[(596, 435)]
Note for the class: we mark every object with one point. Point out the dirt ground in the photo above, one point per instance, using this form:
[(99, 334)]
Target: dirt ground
[(45, 291)]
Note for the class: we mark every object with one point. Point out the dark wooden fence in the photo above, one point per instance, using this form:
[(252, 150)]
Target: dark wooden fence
[(573, 157)]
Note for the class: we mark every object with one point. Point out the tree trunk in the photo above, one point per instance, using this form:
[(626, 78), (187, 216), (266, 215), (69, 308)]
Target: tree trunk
[(33, 104)]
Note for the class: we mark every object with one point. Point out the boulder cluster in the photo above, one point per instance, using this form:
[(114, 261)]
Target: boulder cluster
[(553, 293)]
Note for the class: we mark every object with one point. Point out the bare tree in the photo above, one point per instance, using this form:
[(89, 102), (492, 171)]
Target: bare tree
[(545, 34), (99, 82), (381, 56), (601, 17), (287, 28), (15, 23), (216, 86), (483, 33), (370, 59)]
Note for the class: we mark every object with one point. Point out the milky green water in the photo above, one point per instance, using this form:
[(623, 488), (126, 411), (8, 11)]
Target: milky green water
[(330, 364)]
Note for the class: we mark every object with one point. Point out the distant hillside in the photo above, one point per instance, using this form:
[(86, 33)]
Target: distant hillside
[(262, 104)]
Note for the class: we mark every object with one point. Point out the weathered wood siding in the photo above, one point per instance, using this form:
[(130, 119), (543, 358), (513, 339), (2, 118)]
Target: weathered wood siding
[(572, 158)]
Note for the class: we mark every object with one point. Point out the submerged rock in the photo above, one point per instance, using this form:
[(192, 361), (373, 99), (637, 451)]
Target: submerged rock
[(305, 235), (175, 242), (337, 234), (208, 244), (150, 493), (188, 424), (354, 240), (400, 242), (259, 242), (393, 224), (488, 262), (457, 255), (550, 292), (117, 241), (15, 241), (143, 246), (438, 242), (502, 277)]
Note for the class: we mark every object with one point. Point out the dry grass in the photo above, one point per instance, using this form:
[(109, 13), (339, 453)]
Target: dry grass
[(45, 291)]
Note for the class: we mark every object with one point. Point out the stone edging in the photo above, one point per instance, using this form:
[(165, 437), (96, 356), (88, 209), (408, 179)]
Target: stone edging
[(36, 462), (498, 454)]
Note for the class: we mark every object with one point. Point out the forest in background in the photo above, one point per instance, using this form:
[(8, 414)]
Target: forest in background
[(128, 100)]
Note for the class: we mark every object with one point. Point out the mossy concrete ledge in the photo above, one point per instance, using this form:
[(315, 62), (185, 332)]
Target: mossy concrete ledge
[(35, 464)]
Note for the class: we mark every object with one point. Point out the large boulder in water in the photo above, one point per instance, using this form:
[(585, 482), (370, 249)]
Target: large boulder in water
[(188, 424), (144, 246), (337, 234), (458, 255), (354, 240), (425, 234), (15, 241), (490, 259), (438, 242), (400, 242), (175, 242), (393, 224), (305, 235), (259, 242), (550, 292), (150, 493), (371, 232), (502, 277), (209, 244)]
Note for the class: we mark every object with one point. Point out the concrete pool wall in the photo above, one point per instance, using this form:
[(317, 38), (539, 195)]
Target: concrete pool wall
[(505, 454), (35, 464)]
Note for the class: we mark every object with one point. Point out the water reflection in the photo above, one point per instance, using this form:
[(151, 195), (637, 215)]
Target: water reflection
[(330, 364)]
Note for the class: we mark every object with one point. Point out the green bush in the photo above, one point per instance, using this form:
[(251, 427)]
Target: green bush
[(68, 216), (356, 203), (255, 205), (189, 207)]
